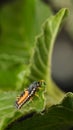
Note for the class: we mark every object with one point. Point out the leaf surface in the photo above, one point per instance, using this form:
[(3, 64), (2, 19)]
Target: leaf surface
[(40, 67), (57, 117), (20, 21), (48, 95)]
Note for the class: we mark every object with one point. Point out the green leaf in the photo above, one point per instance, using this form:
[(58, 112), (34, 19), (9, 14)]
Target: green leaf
[(56, 4), (57, 117), (41, 60), (20, 21), (9, 112)]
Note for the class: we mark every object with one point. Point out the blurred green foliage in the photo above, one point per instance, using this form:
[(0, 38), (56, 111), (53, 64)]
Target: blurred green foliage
[(20, 22)]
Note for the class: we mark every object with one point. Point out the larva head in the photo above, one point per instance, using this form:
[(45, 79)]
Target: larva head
[(42, 83)]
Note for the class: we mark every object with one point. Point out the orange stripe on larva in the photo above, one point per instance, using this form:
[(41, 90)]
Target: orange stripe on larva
[(23, 97)]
